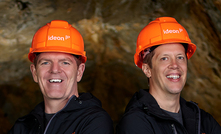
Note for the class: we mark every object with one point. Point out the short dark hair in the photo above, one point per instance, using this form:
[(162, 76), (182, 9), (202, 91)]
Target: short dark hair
[(148, 59)]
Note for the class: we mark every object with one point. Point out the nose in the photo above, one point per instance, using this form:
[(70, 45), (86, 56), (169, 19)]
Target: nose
[(173, 64), (55, 68)]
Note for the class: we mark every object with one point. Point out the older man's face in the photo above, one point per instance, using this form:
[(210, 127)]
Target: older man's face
[(57, 75)]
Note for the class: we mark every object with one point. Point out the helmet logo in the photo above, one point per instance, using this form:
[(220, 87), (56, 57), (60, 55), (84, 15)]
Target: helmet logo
[(172, 31), (67, 37), (58, 37)]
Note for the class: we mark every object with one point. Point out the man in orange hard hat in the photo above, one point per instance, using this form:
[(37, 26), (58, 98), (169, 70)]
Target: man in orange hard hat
[(163, 48), (58, 57)]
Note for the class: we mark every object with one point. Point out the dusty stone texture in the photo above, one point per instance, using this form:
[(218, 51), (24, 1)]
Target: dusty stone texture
[(109, 29)]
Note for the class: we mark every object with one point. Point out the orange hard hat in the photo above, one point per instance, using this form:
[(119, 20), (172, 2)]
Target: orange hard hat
[(161, 31), (57, 36)]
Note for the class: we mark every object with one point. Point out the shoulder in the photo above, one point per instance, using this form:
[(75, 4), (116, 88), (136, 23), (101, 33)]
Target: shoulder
[(28, 122), (93, 118), (135, 121), (209, 124), (23, 124), (27, 119), (97, 122), (134, 117), (99, 114)]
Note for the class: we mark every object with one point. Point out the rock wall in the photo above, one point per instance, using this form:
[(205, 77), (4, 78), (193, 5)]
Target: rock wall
[(109, 29)]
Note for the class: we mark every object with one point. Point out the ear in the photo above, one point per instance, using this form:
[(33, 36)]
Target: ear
[(146, 69), (80, 72), (34, 72)]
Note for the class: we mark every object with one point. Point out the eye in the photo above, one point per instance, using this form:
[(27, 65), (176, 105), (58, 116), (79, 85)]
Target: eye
[(181, 57), (45, 63), (66, 63), (164, 58)]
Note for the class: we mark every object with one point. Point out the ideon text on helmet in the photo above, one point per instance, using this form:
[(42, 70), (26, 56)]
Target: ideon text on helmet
[(161, 31), (57, 36)]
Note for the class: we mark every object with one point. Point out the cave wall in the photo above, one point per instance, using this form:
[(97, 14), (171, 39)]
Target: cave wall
[(109, 29)]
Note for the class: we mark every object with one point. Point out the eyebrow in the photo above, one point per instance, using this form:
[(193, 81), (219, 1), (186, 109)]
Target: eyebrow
[(40, 60), (166, 54), (45, 59), (66, 59), (181, 53)]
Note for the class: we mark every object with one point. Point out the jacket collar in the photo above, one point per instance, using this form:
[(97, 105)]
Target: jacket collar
[(84, 100), (190, 110)]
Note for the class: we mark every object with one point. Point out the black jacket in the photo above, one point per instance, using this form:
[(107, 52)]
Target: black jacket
[(82, 115), (144, 116)]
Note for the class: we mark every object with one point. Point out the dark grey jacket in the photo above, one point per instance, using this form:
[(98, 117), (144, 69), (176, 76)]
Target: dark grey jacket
[(82, 115), (144, 116)]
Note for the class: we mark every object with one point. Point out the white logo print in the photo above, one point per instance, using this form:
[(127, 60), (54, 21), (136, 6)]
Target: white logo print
[(67, 37), (58, 37), (172, 31)]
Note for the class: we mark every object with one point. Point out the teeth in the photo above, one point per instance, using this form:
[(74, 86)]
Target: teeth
[(55, 80), (173, 76)]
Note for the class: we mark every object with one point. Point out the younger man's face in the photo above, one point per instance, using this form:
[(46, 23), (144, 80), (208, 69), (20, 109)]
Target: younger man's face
[(169, 69)]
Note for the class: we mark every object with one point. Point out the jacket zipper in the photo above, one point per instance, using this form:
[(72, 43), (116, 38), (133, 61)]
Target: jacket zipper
[(169, 118), (55, 115), (174, 128)]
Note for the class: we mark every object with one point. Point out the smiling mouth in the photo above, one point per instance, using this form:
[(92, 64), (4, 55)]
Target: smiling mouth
[(55, 80), (173, 76)]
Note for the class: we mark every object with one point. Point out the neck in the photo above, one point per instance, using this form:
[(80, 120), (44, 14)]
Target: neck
[(168, 102), (53, 106)]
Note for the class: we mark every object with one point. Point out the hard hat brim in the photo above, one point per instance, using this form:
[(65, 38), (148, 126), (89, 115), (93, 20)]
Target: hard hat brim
[(190, 51)]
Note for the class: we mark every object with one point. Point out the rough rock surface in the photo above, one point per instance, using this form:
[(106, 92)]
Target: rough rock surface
[(109, 29)]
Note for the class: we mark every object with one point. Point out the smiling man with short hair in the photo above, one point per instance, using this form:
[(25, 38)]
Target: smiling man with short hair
[(163, 49), (58, 57)]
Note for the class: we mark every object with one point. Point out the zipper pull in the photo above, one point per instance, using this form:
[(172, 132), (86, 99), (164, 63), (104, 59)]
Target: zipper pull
[(174, 128)]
